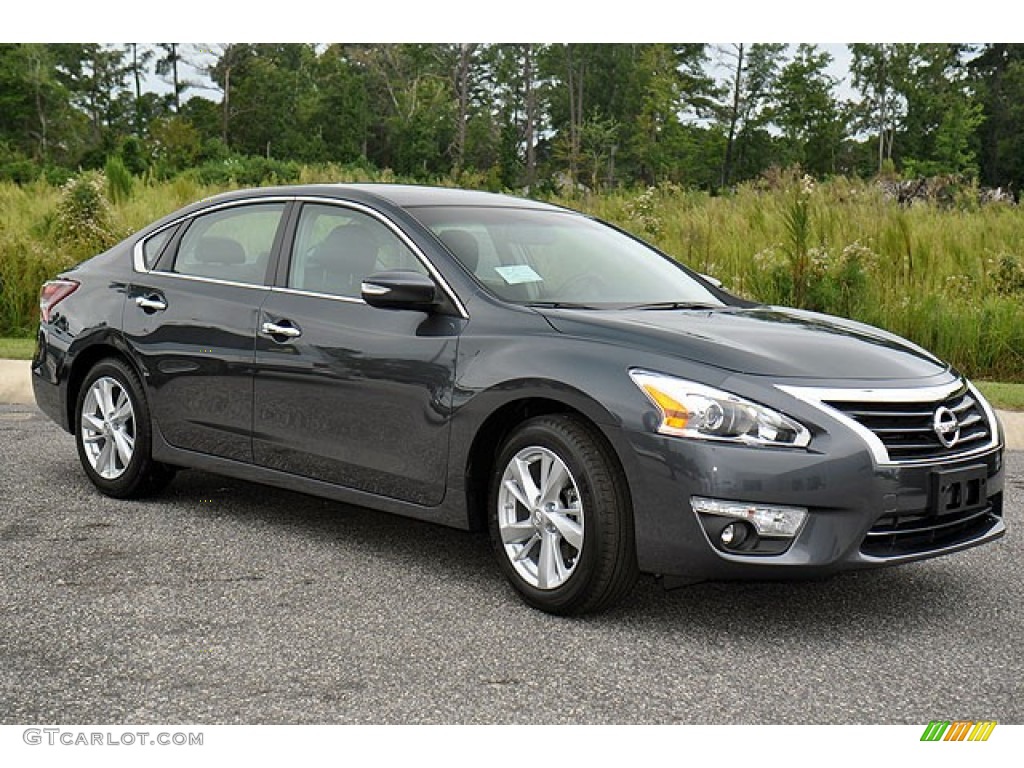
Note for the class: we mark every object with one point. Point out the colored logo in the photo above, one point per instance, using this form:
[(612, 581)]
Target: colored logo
[(958, 730)]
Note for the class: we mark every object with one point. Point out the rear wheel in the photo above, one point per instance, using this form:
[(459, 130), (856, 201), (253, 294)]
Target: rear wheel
[(561, 522), (113, 433)]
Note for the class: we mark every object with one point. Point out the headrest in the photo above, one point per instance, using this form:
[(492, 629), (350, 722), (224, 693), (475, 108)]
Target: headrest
[(348, 248), (345, 240), (219, 250)]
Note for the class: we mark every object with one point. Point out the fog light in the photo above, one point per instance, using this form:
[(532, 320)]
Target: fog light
[(728, 534), (768, 520), (733, 535)]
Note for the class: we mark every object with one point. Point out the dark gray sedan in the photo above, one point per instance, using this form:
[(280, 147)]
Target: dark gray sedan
[(480, 360)]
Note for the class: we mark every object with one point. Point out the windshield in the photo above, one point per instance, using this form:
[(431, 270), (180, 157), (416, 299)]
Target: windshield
[(555, 258)]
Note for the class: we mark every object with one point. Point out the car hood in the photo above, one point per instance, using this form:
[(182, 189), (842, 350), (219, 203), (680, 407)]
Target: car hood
[(764, 341)]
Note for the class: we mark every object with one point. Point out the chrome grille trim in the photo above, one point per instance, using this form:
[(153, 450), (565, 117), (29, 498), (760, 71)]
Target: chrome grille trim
[(830, 400)]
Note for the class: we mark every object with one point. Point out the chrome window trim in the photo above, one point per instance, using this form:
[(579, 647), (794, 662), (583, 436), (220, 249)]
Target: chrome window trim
[(819, 398), (316, 295), (139, 261), (139, 251), (212, 280)]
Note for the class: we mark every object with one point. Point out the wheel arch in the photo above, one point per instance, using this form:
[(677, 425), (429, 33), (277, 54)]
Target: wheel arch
[(499, 423), (84, 361)]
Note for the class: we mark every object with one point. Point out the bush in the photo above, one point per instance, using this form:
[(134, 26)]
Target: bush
[(119, 179), (133, 154), (1009, 276), (16, 167), (83, 215), (245, 171)]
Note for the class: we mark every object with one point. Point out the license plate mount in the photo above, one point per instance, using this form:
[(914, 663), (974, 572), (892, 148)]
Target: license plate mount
[(958, 490)]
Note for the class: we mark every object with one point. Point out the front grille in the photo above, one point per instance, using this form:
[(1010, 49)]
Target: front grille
[(907, 430), (908, 534)]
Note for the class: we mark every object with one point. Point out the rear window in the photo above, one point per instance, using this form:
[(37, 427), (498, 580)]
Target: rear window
[(154, 246)]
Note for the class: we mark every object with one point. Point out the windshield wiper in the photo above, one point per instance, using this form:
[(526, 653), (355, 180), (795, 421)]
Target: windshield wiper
[(674, 305), (561, 305)]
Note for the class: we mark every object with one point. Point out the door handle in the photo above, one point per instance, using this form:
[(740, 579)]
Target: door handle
[(273, 329), (151, 303)]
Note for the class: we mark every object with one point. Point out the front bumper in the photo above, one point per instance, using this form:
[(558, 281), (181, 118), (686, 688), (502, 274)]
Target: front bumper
[(861, 514)]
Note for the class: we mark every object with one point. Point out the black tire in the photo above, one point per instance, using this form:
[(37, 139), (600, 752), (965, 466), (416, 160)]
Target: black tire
[(604, 569), (140, 476)]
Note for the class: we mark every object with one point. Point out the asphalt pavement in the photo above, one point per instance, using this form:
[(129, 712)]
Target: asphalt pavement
[(226, 602)]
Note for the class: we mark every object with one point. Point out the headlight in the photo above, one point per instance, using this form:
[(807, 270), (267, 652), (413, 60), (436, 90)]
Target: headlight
[(689, 409)]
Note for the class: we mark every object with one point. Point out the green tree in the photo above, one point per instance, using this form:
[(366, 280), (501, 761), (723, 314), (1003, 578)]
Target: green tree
[(35, 118), (671, 83), (643, 90), (997, 78), (741, 113), (175, 143), (513, 95), (273, 100), (410, 91), (94, 76), (807, 112), (341, 117), (138, 67), (462, 82), (880, 72), (228, 59), (943, 117), (170, 66)]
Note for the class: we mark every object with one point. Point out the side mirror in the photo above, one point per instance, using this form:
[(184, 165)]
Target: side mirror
[(399, 290)]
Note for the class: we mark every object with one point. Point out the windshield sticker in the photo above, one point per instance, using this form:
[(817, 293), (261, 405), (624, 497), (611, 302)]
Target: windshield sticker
[(519, 273)]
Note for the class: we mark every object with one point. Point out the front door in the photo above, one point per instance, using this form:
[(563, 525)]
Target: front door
[(346, 393)]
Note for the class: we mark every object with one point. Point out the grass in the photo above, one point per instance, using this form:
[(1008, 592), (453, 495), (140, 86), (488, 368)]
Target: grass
[(950, 278), (17, 349), (1003, 395)]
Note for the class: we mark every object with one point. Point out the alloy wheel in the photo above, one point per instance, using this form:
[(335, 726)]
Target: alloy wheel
[(108, 427), (540, 518)]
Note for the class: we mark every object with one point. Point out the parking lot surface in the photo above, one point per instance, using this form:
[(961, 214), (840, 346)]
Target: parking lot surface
[(225, 602)]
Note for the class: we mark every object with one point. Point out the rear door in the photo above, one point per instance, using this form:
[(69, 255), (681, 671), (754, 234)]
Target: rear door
[(346, 393), (192, 321)]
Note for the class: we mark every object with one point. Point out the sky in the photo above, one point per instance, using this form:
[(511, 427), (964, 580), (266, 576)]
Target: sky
[(521, 21)]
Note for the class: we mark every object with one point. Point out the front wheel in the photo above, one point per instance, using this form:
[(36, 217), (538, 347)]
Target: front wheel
[(561, 522), (113, 433)]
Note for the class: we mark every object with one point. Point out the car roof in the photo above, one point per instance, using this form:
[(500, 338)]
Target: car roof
[(395, 196), (411, 196), (400, 195)]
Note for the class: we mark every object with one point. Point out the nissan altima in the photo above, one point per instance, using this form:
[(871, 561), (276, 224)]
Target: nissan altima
[(488, 362)]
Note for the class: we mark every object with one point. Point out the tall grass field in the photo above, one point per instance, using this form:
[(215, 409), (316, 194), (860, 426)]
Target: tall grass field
[(949, 277)]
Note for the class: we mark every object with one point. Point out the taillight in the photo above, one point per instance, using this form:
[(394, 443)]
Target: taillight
[(52, 294)]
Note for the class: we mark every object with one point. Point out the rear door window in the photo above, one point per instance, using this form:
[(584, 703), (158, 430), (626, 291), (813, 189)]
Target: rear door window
[(232, 244)]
